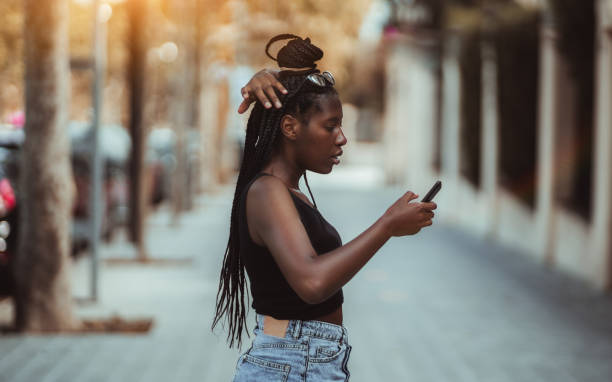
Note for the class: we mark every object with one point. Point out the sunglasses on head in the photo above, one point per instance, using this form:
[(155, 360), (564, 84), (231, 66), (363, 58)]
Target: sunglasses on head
[(322, 79)]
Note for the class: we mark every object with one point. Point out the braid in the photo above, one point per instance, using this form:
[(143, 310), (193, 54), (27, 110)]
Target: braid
[(262, 134), (231, 291), (298, 53)]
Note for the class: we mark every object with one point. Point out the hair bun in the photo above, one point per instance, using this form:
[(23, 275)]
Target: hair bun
[(297, 54)]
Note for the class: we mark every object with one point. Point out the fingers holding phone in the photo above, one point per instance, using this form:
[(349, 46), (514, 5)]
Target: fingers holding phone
[(408, 217), (427, 204)]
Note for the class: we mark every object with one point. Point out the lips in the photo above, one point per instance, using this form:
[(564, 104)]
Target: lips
[(335, 158)]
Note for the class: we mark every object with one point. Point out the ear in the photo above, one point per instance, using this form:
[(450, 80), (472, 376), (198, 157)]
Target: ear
[(289, 126)]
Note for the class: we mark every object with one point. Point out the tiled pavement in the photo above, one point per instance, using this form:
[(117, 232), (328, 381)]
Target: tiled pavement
[(439, 306)]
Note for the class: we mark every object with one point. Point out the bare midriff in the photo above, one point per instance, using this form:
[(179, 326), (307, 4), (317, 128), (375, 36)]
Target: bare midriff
[(277, 328)]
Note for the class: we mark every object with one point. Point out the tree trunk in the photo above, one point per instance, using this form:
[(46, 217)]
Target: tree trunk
[(138, 202), (180, 83), (43, 301), (185, 114), (195, 40)]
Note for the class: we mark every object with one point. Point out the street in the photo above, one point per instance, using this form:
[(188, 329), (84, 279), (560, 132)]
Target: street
[(438, 306)]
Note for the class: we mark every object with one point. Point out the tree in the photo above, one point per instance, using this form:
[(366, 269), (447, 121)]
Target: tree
[(136, 80), (11, 70), (43, 300), (187, 96)]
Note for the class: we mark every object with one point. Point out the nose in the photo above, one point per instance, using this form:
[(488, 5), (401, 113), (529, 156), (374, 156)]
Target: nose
[(341, 138)]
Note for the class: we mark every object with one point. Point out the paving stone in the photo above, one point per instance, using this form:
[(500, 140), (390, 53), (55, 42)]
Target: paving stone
[(438, 306)]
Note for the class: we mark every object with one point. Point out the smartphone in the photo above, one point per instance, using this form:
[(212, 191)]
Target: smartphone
[(432, 192)]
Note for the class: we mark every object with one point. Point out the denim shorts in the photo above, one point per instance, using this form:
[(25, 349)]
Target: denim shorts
[(310, 351)]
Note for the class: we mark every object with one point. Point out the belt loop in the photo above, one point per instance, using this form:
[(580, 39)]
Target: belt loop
[(297, 328), (260, 321)]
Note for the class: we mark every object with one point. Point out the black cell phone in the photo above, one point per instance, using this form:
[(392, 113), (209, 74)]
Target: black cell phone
[(432, 192)]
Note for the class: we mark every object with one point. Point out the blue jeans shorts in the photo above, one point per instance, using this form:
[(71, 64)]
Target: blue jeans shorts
[(310, 351)]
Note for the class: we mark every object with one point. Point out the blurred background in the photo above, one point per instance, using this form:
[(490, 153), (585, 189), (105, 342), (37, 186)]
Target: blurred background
[(120, 144)]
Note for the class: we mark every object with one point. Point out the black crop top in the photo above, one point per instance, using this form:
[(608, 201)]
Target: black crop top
[(272, 294)]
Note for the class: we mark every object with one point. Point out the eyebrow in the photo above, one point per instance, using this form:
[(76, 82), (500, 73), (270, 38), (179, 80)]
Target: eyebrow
[(334, 119)]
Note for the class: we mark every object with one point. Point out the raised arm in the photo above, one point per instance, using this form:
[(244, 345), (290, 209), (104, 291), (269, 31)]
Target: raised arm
[(274, 222), (262, 87)]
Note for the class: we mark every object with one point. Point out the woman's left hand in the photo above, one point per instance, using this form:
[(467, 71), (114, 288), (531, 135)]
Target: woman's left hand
[(260, 87)]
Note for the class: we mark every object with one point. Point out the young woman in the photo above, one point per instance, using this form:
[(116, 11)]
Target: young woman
[(294, 258)]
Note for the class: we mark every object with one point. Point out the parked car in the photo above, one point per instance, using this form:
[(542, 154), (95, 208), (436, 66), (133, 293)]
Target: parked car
[(115, 146), (160, 160), (10, 141)]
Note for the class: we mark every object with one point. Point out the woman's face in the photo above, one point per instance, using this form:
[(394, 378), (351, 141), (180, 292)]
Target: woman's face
[(319, 142)]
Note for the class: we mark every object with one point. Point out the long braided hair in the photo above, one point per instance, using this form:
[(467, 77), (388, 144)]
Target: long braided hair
[(262, 136)]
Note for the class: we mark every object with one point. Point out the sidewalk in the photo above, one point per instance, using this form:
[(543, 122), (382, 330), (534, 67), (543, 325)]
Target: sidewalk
[(179, 295), (439, 306)]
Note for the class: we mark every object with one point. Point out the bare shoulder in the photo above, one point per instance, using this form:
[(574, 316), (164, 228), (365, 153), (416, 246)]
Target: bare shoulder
[(266, 189), (267, 182), (268, 196), (269, 209)]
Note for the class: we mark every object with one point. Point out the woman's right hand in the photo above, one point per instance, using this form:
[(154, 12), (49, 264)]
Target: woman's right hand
[(407, 218)]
